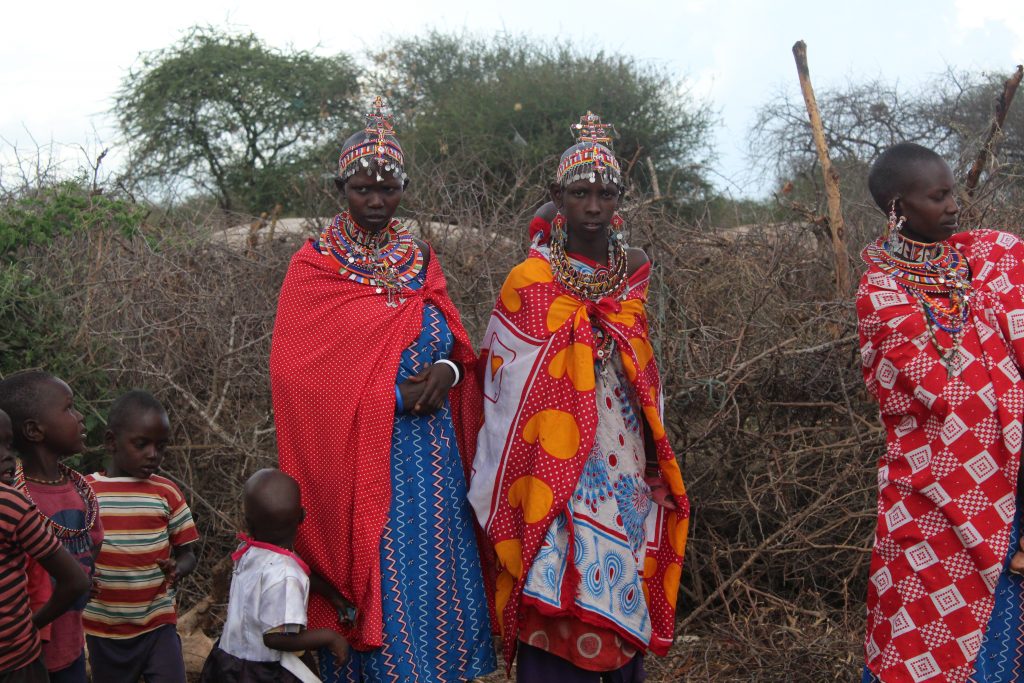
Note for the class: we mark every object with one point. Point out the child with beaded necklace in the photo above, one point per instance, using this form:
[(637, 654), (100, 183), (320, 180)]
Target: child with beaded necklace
[(47, 429), (24, 537)]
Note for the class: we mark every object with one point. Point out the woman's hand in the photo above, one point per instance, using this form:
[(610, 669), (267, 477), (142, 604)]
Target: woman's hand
[(1017, 561), (660, 493), (425, 392)]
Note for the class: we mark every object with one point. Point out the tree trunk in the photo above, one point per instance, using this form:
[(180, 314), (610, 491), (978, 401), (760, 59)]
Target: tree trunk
[(836, 225)]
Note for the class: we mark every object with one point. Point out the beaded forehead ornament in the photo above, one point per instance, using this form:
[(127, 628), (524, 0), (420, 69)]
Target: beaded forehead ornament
[(379, 145), (593, 156)]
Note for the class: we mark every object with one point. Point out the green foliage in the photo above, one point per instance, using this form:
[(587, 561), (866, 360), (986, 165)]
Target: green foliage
[(229, 115), (39, 327), (37, 330), (509, 101), (37, 215)]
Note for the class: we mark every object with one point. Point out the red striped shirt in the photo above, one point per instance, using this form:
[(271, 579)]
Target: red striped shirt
[(22, 533), (142, 520)]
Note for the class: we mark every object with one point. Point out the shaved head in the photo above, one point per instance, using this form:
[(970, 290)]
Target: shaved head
[(23, 397), (893, 172), (272, 505)]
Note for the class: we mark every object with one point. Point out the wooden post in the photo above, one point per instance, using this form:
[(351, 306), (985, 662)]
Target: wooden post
[(836, 224), (991, 142)]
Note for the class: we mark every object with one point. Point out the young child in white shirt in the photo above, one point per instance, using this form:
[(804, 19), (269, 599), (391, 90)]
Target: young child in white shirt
[(265, 625)]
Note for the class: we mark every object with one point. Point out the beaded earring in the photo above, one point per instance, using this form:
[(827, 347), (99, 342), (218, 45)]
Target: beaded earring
[(615, 228), (894, 225)]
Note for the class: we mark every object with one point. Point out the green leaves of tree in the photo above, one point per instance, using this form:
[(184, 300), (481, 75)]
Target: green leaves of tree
[(229, 115), (510, 100)]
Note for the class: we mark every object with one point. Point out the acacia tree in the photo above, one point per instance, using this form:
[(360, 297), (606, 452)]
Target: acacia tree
[(232, 116), (508, 101)]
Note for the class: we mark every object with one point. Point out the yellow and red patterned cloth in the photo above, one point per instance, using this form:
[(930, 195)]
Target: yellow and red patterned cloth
[(540, 421), (947, 481)]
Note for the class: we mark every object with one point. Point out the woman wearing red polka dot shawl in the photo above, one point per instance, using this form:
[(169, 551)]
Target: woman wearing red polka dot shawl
[(376, 406), (575, 482)]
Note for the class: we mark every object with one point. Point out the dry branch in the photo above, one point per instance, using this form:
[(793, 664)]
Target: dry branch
[(837, 225), (988, 148)]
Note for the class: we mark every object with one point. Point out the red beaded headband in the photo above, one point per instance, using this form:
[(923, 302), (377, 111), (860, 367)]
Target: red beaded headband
[(379, 144), (589, 162)]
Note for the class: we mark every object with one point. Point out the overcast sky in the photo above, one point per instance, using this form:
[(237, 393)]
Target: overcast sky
[(62, 61)]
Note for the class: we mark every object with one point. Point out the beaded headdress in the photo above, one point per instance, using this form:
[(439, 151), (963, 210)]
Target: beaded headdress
[(592, 156), (377, 144)]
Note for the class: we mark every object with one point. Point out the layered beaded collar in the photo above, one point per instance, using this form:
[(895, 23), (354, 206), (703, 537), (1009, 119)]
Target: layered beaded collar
[(82, 488), (937, 276), (387, 260), (909, 250), (593, 286)]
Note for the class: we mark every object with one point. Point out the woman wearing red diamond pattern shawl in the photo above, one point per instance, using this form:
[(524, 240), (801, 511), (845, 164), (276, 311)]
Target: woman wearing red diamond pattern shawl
[(589, 548), (941, 316)]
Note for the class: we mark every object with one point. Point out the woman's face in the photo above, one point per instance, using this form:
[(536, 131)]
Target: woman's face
[(929, 203), (588, 207), (373, 202)]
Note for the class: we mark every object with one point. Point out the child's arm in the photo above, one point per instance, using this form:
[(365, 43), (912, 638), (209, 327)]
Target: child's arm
[(71, 583), (346, 610), (179, 565), (308, 640)]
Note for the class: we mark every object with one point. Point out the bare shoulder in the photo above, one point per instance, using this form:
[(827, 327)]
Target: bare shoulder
[(425, 248), (636, 258)]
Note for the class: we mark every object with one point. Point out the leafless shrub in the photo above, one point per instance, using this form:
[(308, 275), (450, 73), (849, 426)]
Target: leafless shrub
[(764, 400)]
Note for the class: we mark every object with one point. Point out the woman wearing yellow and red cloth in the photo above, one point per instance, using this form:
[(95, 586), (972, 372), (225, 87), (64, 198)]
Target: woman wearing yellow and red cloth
[(574, 482), (377, 405), (941, 318)]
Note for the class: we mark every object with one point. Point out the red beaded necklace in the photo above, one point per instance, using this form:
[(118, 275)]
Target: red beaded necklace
[(92, 506), (927, 272)]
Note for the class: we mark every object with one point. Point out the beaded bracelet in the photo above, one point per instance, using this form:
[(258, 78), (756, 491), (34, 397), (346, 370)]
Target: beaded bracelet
[(399, 403)]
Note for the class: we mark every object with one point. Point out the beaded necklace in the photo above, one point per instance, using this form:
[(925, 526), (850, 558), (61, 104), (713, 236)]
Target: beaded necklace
[(82, 488), (387, 260), (927, 272), (603, 282)]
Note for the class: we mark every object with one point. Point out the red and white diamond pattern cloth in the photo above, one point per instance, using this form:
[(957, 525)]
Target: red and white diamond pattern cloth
[(947, 481)]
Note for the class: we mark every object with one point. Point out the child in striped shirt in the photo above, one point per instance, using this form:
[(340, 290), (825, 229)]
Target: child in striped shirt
[(130, 623), (46, 429), (24, 534)]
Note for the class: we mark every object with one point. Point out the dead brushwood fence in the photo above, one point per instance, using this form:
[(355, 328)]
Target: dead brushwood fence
[(763, 397)]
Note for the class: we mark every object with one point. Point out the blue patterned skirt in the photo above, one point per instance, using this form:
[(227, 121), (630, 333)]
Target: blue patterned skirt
[(436, 624)]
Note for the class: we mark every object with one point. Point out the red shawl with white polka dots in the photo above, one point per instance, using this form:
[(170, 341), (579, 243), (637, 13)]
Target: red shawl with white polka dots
[(947, 481), (333, 364)]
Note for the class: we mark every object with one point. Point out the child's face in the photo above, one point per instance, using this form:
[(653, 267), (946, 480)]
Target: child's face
[(137, 449), (7, 459), (62, 426)]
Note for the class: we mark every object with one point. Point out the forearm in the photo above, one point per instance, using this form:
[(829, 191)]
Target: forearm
[(70, 582), (185, 560), (304, 640), (650, 450), (320, 585), (61, 599)]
